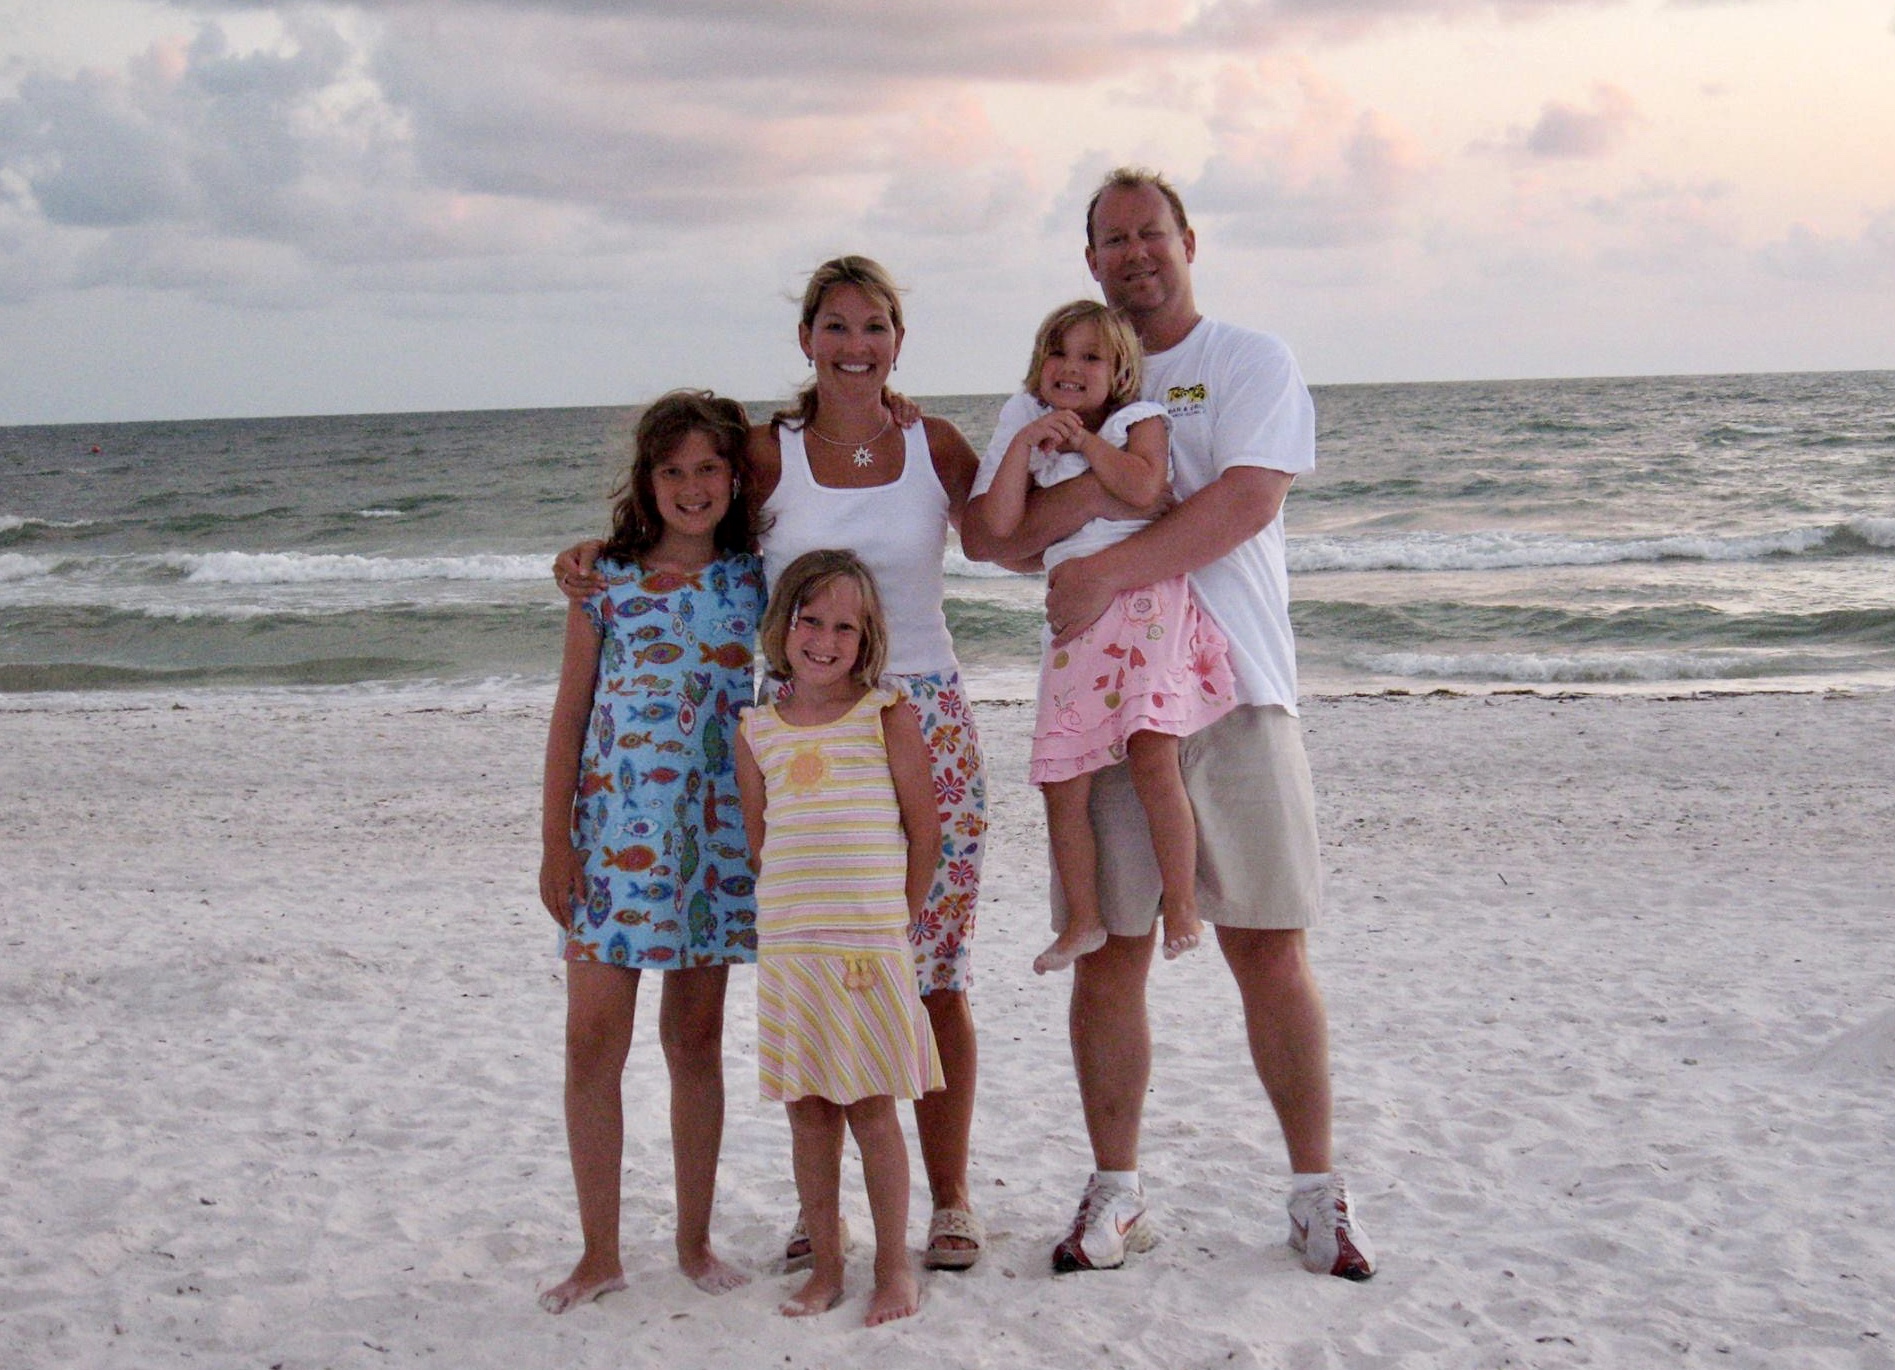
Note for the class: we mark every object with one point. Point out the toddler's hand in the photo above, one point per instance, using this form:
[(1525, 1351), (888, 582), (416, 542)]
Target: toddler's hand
[(1055, 432)]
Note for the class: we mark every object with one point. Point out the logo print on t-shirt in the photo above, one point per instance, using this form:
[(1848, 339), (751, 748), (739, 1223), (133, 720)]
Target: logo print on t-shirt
[(1182, 401)]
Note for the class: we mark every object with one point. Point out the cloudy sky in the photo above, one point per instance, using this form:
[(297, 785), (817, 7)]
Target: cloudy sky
[(223, 207)]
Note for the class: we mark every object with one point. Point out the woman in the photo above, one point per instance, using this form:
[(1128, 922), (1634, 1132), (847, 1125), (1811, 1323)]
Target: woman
[(836, 469)]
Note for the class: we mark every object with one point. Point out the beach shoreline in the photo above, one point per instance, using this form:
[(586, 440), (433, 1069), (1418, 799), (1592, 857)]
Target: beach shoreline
[(1613, 1046)]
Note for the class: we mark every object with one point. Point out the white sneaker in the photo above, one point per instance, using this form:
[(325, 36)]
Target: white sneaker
[(1110, 1222), (1327, 1235)]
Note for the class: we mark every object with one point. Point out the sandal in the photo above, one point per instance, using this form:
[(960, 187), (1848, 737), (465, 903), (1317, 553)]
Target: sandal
[(963, 1223), (798, 1252)]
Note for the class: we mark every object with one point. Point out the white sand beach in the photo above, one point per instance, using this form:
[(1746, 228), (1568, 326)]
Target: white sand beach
[(1611, 996)]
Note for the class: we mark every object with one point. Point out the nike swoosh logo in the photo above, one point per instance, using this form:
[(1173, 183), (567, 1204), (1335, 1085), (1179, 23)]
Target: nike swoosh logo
[(1302, 1229), (1125, 1225)]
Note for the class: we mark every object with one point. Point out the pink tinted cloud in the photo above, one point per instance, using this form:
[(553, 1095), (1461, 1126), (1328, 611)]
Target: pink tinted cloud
[(1296, 163), (1044, 42), (1661, 226), (1567, 131), (200, 165), (872, 41), (1224, 24), (956, 175), (1864, 260)]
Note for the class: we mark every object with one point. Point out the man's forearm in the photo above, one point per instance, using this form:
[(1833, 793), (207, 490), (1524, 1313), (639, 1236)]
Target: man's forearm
[(1051, 514), (1223, 515)]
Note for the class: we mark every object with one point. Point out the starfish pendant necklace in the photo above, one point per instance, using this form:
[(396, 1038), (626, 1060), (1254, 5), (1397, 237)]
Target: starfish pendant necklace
[(863, 456)]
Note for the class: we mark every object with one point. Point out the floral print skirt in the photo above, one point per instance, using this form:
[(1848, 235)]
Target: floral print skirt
[(1153, 661)]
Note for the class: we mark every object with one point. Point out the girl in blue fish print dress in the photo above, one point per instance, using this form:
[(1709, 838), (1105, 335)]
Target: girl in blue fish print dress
[(646, 865)]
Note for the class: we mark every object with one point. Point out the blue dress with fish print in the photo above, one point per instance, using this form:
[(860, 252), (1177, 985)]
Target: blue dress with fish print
[(667, 864)]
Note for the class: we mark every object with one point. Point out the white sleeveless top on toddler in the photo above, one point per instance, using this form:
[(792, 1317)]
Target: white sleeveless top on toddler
[(899, 530), (1050, 468)]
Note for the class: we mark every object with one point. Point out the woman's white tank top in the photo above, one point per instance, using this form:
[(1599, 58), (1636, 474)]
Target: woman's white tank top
[(899, 530)]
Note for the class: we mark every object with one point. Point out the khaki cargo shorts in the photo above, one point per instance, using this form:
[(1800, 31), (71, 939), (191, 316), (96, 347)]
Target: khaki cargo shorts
[(1258, 863)]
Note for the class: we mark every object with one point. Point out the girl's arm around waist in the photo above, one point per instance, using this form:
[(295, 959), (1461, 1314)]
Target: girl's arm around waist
[(914, 792), (563, 866)]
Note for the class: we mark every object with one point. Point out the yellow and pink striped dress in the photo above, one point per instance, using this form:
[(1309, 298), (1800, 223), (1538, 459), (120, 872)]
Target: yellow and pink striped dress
[(838, 1014)]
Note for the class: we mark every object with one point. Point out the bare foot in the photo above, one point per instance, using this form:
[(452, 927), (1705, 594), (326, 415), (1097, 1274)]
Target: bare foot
[(898, 1296), (1183, 929), (711, 1273), (582, 1286), (1068, 947), (818, 1295)]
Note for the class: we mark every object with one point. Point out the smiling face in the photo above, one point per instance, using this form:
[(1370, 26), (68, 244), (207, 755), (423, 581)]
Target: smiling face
[(853, 340), (692, 487), (1077, 373), (824, 642), (1142, 261)]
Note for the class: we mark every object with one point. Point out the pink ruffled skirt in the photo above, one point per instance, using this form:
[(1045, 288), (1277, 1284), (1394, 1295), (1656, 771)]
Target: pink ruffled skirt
[(1152, 662)]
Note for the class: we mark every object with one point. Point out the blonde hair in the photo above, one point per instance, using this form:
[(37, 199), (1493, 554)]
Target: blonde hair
[(865, 274), (1121, 347), (802, 580)]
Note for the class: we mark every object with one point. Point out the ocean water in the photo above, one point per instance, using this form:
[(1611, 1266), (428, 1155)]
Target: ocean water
[(1652, 534)]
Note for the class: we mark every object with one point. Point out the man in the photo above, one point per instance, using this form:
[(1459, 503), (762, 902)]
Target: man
[(1243, 427)]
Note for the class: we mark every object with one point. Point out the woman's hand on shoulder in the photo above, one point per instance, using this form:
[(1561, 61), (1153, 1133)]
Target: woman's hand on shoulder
[(573, 573)]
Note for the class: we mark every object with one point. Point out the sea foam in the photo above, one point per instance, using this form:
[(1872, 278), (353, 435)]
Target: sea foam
[(954, 562), (1489, 551), (13, 523), (1535, 668), (16, 566), (1876, 532), (285, 568)]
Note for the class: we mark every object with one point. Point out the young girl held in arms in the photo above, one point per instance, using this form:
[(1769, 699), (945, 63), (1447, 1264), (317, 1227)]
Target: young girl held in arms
[(645, 865), (840, 812), (1153, 668)]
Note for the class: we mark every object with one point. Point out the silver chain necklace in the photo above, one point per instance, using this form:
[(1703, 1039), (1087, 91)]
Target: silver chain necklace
[(863, 456)]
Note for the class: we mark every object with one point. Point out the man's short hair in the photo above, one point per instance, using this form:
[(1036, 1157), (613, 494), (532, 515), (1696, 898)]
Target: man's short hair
[(1131, 178)]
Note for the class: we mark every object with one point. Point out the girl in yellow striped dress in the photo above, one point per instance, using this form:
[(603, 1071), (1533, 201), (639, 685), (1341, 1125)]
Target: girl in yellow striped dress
[(840, 812)]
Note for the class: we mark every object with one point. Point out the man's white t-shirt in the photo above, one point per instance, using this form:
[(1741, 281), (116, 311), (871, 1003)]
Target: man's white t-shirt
[(1236, 398)]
